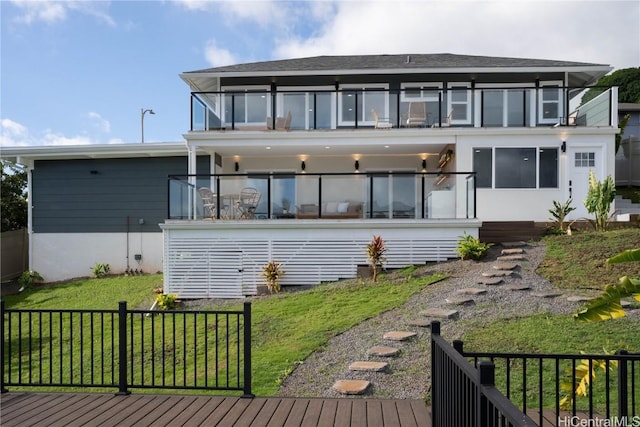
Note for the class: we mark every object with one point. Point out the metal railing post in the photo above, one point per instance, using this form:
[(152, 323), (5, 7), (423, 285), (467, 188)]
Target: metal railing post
[(623, 397), (458, 345), (2, 387), (247, 350), (435, 413), (122, 348), (486, 375)]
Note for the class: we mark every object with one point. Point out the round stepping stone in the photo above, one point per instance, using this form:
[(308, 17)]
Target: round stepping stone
[(517, 287), (513, 251), (420, 323), (504, 266), (368, 366), (512, 258), (517, 244), (473, 291), (383, 351), (546, 294), (398, 335), (497, 273), (490, 281), (351, 386), (459, 300), (624, 304), (439, 313), (578, 298)]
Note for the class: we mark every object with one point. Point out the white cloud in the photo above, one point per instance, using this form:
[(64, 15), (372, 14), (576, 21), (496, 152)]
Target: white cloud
[(99, 122), (217, 56), (52, 12), (51, 138), (15, 134)]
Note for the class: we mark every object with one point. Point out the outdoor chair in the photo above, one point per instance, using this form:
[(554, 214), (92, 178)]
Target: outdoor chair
[(446, 121), (417, 114), (248, 202), (380, 123), (208, 202), (283, 123)]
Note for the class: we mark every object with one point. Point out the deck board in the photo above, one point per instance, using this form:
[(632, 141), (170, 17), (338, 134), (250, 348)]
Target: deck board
[(93, 409)]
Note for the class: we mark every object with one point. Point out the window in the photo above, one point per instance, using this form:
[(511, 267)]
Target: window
[(428, 92), (247, 107), (516, 167), (549, 102), (356, 104), (504, 107), (311, 107), (585, 160), (459, 103)]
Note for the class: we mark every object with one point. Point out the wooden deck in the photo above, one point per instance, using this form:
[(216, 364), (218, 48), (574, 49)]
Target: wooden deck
[(92, 409)]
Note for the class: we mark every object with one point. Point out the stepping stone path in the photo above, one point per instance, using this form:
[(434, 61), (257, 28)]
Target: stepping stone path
[(368, 366), (383, 351), (459, 300), (500, 270), (578, 298), (351, 386), (398, 335)]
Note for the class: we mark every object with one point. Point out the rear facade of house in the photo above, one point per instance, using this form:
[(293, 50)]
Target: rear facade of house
[(418, 149)]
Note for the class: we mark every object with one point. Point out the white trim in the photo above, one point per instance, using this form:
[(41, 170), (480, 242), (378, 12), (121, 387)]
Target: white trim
[(422, 87)]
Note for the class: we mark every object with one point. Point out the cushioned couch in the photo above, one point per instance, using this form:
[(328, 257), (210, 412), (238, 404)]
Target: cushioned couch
[(330, 210)]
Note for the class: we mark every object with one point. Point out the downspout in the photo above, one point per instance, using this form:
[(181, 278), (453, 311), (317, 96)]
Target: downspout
[(30, 214)]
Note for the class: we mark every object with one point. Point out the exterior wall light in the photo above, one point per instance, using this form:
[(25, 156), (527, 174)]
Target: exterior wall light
[(563, 147), (357, 165), (424, 165), (303, 166), (237, 166)]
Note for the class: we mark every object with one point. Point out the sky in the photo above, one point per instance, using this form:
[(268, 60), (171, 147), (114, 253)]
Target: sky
[(81, 72)]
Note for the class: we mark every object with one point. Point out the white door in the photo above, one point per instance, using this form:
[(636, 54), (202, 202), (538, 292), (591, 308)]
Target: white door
[(581, 161), (224, 274)]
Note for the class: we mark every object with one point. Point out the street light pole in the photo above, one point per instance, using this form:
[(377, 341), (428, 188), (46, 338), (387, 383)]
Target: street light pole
[(142, 113)]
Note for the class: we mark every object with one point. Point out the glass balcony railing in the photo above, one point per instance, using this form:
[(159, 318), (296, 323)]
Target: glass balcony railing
[(424, 107), (274, 196)]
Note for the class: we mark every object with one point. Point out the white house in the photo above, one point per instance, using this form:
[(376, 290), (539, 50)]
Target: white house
[(416, 148)]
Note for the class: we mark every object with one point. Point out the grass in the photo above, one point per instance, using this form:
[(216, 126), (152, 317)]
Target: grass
[(286, 327), (579, 261)]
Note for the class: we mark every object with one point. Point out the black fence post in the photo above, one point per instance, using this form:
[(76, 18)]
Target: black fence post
[(457, 345), (4, 345), (435, 384), (122, 348), (623, 397), (247, 350), (486, 374)]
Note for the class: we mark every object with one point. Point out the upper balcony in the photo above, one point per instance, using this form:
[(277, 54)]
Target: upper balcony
[(413, 106)]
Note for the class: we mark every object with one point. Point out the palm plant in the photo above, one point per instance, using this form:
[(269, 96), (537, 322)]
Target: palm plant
[(375, 251)]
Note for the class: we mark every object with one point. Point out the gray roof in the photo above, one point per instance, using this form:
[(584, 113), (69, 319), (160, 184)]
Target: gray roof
[(390, 62)]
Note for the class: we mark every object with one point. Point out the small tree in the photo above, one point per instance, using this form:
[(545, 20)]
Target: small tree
[(375, 252), (13, 197), (599, 198), (560, 212)]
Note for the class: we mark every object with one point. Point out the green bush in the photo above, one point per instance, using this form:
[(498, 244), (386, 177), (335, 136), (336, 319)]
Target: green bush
[(28, 278), (101, 270), (470, 247), (166, 301)]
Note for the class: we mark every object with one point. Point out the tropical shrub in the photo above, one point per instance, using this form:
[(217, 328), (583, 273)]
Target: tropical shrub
[(28, 278), (559, 213), (166, 301), (375, 254), (272, 272), (101, 270), (470, 247), (599, 198)]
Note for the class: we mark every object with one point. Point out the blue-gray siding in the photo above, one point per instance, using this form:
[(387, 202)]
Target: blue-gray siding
[(104, 195)]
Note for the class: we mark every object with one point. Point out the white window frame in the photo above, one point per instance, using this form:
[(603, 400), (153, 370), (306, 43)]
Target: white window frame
[(425, 89), (363, 114), (542, 102), (308, 104), (248, 90), (451, 104)]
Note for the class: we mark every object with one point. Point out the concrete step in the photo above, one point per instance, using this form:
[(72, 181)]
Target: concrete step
[(369, 366), (398, 335), (439, 313), (504, 266), (517, 287), (512, 251), (458, 300), (383, 351), (497, 273), (472, 291), (516, 257), (490, 281)]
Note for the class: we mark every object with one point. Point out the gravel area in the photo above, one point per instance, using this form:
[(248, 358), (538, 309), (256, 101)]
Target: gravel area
[(408, 376)]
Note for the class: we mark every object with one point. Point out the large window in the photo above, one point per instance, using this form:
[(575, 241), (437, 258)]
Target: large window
[(550, 102), (247, 107), (357, 103), (459, 103), (516, 167), (505, 107), (313, 109)]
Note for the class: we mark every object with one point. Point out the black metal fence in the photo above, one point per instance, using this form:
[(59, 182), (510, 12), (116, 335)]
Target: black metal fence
[(462, 395), (605, 387), (126, 349)]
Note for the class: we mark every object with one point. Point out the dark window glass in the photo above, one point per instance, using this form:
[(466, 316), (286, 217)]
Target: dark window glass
[(548, 168), (482, 166), (515, 167)]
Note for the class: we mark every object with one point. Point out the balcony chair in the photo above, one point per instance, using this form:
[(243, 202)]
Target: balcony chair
[(248, 202), (446, 121), (208, 202), (284, 123), (380, 123), (417, 114)]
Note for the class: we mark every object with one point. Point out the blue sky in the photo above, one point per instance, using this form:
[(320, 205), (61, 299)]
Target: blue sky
[(80, 72)]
